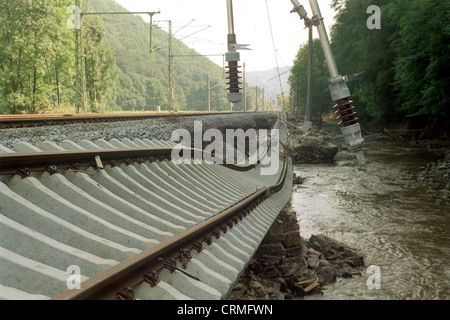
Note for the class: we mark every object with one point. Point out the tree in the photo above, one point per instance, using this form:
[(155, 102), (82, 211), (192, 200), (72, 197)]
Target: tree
[(100, 64), (29, 40), (155, 94), (37, 58), (422, 56), (404, 62)]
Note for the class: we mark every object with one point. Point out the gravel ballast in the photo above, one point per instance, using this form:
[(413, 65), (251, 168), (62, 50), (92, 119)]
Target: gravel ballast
[(153, 129)]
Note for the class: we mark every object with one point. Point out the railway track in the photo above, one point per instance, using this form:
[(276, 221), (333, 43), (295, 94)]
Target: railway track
[(133, 223), (23, 121)]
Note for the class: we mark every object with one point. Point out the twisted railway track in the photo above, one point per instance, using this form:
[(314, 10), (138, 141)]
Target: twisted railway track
[(133, 223)]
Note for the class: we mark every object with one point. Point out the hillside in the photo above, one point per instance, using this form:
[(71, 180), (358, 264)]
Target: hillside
[(142, 82), (47, 65), (268, 79)]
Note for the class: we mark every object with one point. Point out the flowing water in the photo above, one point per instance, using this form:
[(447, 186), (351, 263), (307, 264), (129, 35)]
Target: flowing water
[(389, 219)]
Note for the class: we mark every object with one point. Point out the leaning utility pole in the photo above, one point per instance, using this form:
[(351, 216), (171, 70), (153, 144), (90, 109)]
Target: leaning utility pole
[(308, 115), (340, 93)]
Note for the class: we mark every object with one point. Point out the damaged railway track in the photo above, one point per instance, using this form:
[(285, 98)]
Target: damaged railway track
[(136, 225)]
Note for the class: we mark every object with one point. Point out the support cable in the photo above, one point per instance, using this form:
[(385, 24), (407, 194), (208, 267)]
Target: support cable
[(275, 53)]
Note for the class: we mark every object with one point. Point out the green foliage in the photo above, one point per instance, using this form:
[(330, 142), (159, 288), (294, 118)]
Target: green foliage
[(404, 63), (101, 70), (141, 74), (422, 56), (38, 64), (31, 50), (138, 93)]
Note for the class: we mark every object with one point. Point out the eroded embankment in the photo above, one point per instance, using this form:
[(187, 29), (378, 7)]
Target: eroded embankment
[(289, 267)]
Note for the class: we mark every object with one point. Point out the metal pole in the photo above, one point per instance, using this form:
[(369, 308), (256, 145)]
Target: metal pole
[(209, 92), (324, 39), (232, 57), (77, 65), (256, 107), (263, 99), (245, 90), (171, 82), (230, 17), (351, 129), (83, 68), (339, 91), (151, 31), (308, 115)]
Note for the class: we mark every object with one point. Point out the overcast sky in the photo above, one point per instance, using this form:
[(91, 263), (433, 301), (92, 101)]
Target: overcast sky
[(251, 23)]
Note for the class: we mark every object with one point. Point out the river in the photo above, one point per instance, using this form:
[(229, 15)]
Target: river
[(398, 228)]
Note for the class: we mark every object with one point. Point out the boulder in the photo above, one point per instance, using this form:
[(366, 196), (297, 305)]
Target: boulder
[(333, 250), (314, 149), (326, 271)]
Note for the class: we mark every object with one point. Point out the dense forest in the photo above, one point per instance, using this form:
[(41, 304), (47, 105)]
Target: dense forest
[(123, 70), (403, 63)]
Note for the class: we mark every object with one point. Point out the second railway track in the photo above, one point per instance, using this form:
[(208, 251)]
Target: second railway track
[(137, 226), (24, 121)]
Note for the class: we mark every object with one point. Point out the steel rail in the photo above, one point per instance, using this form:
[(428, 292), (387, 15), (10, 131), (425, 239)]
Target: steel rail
[(136, 270), (14, 121), (10, 163)]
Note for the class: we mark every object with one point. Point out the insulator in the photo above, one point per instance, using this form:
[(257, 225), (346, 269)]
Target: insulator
[(345, 112), (233, 77)]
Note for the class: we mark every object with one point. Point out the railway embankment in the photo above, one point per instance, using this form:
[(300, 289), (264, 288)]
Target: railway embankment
[(286, 266)]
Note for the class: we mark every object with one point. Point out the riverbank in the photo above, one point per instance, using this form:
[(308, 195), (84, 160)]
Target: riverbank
[(288, 267), (384, 213), (434, 176), (388, 213)]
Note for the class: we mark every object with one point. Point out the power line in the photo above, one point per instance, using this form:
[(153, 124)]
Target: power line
[(275, 52)]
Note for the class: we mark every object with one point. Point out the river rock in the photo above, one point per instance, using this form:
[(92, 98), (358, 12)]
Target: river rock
[(312, 261), (326, 271), (292, 239), (435, 177), (287, 266), (334, 250), (313, 149)]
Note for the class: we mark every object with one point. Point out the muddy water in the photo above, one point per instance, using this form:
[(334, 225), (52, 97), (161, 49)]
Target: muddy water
[(388, 218)]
